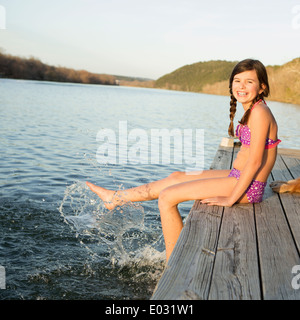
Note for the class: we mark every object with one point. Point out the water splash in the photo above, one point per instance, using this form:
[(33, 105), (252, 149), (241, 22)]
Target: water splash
[(120, 236)]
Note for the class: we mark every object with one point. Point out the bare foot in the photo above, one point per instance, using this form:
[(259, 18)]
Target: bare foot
[(106, 195)]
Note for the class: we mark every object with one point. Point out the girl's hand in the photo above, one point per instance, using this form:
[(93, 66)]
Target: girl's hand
[(218, 201)]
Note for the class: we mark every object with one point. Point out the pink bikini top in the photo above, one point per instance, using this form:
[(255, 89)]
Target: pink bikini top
[(244, 135)]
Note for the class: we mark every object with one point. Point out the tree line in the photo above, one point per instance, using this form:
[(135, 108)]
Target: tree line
[(212, 77), (195, 76), (33, 69)]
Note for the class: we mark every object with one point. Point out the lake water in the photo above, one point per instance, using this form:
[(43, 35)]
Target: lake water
[(57, 241)]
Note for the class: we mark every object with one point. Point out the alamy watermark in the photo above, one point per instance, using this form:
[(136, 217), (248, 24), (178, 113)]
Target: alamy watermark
[(2, 278), (159, 146), (296, 279), (2, 17), (296, 18)]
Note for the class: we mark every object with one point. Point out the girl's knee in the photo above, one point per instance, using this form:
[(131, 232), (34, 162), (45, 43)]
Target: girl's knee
[(165, 199), (162, 198), (176, 176)]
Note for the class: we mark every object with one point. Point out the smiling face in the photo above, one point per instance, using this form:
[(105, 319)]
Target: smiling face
[(246, 87)]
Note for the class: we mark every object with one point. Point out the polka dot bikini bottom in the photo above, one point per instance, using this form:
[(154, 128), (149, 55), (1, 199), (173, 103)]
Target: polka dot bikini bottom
[(256, 189)]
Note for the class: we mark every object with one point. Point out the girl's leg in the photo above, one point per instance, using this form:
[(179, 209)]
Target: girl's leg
[(151, 191), (170, 197)]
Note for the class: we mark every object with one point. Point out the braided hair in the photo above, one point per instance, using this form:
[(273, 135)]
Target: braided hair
[(232, 114), (247, 65)]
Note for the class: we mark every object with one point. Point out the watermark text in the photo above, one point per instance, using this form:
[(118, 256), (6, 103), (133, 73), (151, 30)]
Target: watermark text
[(296, 279), (159, 146), (2, 278)]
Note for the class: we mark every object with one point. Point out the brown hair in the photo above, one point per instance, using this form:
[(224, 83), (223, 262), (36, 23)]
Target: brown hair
[(247, 65)]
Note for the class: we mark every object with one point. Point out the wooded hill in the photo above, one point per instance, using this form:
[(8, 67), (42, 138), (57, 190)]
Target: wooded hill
[(33, 69), (212, 77), (195, 76)]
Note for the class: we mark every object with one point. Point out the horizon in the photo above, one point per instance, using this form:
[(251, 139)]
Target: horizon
[(129, 76), (139, 39)]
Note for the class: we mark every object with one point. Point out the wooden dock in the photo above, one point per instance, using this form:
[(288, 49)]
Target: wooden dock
[(245, 252)]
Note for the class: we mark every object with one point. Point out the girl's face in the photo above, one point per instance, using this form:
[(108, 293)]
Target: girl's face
[(246, 87)]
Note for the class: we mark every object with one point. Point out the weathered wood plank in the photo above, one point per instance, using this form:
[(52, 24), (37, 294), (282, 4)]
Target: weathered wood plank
[(291, 202), (197, 244), (236, 273), (223, 158), (277, 251), (293, 153), (293, 165)]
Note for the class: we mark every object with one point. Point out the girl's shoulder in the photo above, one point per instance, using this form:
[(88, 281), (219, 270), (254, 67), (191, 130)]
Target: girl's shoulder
[(261, 113), (260, 109)]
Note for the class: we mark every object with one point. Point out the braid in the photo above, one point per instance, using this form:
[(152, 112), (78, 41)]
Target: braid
[(232, 114)]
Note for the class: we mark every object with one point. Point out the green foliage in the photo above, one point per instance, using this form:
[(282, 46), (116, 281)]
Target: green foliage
[(195, 76)]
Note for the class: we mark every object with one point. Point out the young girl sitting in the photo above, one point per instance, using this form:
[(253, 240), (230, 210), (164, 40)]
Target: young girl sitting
[(245, 183)]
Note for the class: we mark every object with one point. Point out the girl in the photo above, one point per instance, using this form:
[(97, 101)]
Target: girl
[(245, 183)]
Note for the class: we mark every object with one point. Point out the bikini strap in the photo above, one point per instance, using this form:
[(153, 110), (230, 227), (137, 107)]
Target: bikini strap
[(260, 100)]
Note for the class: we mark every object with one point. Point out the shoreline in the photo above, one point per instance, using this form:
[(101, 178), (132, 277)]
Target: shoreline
[(143, 85)]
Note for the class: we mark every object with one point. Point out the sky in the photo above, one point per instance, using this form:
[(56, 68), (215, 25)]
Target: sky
[(149, 39)]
